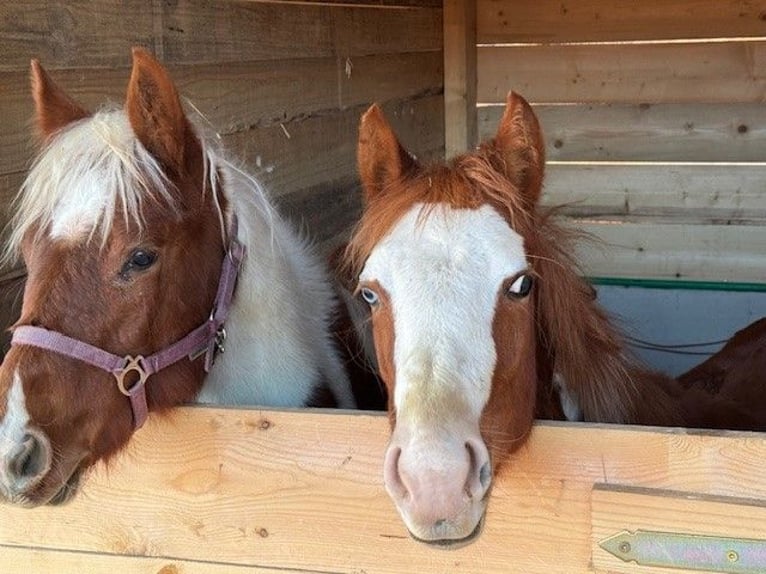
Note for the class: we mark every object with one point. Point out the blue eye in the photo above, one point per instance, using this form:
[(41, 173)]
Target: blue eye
[(520, 288), (370, 297)]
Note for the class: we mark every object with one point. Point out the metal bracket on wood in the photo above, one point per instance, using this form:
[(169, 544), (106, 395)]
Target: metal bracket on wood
[(689, 551)]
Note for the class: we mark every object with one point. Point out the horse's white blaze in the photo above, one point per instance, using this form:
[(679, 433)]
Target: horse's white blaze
[(13, 428), (442, 269), (443, 272)]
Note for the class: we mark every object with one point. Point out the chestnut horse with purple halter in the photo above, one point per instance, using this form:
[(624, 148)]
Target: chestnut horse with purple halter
[(474, 297), (134, 231)]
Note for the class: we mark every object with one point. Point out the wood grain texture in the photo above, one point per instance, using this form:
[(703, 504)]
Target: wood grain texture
[(695, 72), (390, 4), (697, 194), (195, 32), (303, 490), (460, 129), (321, 150), (17, 560), (234, 97), (74, 34), (616, 509), (97, 33), (552, 21), (701, 132), (662, 250)]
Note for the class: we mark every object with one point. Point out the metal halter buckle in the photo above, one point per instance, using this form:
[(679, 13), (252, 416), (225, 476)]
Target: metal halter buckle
[(131, 364), (220, 338)]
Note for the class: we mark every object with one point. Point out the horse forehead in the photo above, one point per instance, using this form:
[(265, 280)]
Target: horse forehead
[(78, 212), (436, 240)]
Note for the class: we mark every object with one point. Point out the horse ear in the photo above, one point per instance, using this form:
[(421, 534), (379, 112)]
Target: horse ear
[(155, 112), (381, 158), (54, 109), (519, 144)]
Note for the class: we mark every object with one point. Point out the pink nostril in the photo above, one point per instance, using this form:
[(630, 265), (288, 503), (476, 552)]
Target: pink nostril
[(479, 469), (392, 476), (30, 461)]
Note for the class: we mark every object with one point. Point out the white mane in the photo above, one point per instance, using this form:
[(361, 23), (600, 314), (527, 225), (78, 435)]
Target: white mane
[(96, 167)]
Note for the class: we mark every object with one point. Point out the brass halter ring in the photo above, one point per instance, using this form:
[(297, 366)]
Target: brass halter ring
[(131, 364)]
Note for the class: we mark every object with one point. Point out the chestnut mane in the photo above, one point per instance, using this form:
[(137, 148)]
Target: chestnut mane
[(574, 333)]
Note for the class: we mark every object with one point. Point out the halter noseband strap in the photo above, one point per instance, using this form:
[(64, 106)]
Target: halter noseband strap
[(207, 339)]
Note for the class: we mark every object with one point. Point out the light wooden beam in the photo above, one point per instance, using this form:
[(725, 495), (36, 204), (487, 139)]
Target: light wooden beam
[(460, 124), (301, 491)]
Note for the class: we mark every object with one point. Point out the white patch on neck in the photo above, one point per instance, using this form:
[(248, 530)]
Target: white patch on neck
[(13, 427), (443, 273)]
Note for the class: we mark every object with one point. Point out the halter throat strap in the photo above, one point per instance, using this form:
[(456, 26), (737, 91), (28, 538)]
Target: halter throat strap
[(207, 339)]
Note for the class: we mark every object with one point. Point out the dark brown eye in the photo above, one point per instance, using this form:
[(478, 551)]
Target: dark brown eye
[(139, 260), (520, 287)]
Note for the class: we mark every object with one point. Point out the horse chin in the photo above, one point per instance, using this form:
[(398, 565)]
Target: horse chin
[(69, 489), (452, 543)]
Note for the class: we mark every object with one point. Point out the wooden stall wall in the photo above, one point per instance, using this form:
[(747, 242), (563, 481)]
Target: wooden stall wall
[(655, 125), (281, 85)]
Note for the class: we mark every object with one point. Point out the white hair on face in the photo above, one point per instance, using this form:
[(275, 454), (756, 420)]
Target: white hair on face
[(13, 427), (443, 274), (96, 169), (86, 175)]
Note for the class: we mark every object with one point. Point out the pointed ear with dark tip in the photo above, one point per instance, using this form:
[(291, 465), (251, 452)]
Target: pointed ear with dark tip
[(155, 112), (520, 148), (381, 158), (54, 109)]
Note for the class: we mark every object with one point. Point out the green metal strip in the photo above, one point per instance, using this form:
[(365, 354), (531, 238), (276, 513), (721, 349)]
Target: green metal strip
[(679, 284)]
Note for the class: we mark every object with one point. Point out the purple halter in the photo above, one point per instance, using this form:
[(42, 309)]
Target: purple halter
[(207, 339)]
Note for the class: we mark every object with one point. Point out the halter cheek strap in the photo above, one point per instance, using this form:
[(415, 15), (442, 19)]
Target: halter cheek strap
[(207, 339)]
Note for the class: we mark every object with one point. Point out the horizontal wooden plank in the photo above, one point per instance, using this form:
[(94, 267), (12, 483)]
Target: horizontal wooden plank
[(732, 132), (92, 33), (674, 193), (78, 33), (236, 31), (392, 4), (551, 21), (646, 249), (321, 150), (365, 31), (235, 97), (20, 560), (304, 490), (618, 509), (694, 72)]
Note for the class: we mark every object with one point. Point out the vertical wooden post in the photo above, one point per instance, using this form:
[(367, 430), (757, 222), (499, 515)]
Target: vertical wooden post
[(460, 130)]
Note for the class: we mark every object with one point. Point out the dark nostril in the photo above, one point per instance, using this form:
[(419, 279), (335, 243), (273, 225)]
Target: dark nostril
[(29, 462), (479, 470), (485, 475)]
